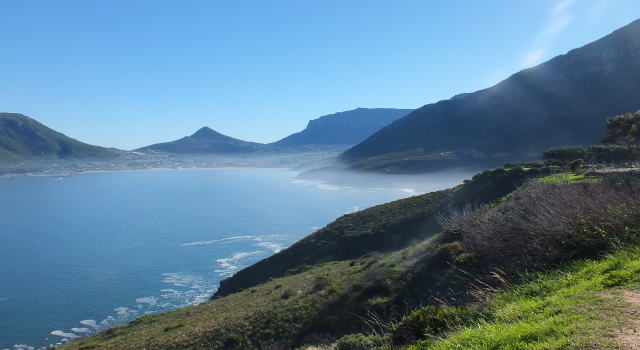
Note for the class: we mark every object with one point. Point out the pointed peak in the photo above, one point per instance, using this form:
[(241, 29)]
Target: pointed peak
[(206, 131)]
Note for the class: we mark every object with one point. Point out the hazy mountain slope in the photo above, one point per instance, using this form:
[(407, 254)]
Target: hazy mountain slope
[(205, 140), (23, 138), (343, 128), (562, 101)]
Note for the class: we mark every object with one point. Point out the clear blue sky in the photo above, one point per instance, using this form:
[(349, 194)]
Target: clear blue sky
[(134, 72)]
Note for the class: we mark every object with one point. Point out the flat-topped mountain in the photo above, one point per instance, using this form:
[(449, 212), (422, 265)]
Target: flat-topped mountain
[(343, 128), (24, 138), (560, 102), (205, 140)]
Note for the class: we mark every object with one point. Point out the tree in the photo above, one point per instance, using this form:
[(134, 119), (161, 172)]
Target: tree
[(624, 128), (576, 165)]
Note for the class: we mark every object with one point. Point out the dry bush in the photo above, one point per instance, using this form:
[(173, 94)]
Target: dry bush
[(543, 224)]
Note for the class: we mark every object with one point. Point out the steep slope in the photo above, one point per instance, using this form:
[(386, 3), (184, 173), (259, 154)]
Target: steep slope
[(562, 101), (205, 140), (342, 129), (24, 138), (381, 228), (446, 278)]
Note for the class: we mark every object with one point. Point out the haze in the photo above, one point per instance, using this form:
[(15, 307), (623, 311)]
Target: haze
[(128, 74)]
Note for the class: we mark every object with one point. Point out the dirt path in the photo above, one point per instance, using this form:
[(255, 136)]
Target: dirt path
[(629, 336)]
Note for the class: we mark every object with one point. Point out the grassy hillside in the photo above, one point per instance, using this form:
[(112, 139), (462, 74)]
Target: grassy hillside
[(24, 138), (381, 228), (452, 287)]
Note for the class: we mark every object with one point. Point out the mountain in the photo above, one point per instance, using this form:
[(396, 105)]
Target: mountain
[(562, 101), (342, 128), (205, 140), (24, 138)]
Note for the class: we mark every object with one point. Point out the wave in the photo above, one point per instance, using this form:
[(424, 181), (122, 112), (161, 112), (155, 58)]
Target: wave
[(90, 323), (147, 300), (228, 239), (80, 330), (65, 335), (187, 289), (232, 263)]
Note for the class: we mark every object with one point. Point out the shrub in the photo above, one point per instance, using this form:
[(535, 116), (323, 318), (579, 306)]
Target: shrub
[(236, 342), (176, 325), (288, 293), (359, 341), (624, 128), (545, 223), (576, 165), (320, 283), (605, 154)]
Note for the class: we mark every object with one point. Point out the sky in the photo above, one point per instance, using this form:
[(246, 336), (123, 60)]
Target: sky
[(126, 74)]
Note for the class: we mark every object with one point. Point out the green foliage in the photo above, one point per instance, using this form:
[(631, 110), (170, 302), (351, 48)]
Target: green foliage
[(624, 128), (359, 341), (576, 165)]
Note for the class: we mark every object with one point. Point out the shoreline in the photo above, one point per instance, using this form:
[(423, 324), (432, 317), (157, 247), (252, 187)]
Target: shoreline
[(88, 172)]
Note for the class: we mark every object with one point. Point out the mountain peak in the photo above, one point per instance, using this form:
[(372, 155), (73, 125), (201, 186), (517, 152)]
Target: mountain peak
[(206, 131), (205, 141)]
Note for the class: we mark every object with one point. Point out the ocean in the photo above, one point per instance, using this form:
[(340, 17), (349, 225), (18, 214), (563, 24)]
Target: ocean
[(82, 253)]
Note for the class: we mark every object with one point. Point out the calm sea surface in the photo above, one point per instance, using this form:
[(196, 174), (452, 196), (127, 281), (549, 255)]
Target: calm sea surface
[(82, 253)]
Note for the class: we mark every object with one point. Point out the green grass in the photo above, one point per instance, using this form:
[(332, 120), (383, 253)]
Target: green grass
[(568, 178), (570, 308)]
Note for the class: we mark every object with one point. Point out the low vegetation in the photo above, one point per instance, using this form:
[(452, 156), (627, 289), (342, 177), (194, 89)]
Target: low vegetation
[(574, 307), (490, 264), (600, 154)]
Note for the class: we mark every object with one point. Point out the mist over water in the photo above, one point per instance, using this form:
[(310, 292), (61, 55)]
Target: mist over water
[(82, 253)]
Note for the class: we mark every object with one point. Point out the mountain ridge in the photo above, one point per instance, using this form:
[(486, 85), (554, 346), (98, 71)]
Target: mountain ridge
[(22, 137), (562, 101)]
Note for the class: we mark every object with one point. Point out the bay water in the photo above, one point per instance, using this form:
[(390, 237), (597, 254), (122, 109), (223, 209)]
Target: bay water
[(82, 253)]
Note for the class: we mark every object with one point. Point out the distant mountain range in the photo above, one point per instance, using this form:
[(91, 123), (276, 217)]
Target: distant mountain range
[(205, 140), (22, 138), (563, 101), (341, 129)]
